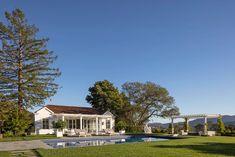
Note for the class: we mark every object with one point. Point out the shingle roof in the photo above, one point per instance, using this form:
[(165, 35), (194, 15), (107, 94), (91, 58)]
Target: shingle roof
[(71, 109)]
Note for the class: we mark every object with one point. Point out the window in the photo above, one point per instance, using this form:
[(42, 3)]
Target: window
[(71, 123), (45, 123), (74, 124), (108, 124), (78, 123)]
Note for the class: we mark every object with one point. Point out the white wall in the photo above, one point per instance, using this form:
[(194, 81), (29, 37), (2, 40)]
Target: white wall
[(45, 113), (103, 120), (38, 117)]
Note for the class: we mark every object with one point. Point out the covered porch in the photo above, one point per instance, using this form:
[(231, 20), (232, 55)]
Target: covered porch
[(93, 124)]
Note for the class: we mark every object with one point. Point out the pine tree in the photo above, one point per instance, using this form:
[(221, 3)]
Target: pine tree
[(26, 75)]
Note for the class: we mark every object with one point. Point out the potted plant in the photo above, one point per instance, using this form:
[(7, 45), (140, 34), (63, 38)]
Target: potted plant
[(59, 126), (121, 126)]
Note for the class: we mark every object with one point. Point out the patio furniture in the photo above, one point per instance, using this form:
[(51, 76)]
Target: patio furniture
[(122, 132), (211, 133), (183, 133), (82, 133), (71, 132)]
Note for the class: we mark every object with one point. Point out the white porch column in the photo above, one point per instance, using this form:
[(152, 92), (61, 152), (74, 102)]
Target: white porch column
[(111, 124), (205, 125), (96, 125), (63, 121), (81, 122), (172, 125)]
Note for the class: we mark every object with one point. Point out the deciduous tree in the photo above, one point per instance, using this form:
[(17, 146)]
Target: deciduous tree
[(104, 96), (148, 100)]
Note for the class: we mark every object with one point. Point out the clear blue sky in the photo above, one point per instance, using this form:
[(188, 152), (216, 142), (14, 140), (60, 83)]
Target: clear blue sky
[(186, 46)]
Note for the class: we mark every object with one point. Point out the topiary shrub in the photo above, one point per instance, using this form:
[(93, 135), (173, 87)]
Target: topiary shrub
[(60, 125), (121, 125)]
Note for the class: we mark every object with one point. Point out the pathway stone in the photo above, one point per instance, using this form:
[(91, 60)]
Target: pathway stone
[(23, 145)]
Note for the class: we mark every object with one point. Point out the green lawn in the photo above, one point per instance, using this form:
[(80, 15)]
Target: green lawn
[(191, 147), (4, 154), (26, 138)]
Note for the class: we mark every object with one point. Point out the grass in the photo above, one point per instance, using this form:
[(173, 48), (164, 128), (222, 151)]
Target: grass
[(190, 147), (5, 154), (27, 138)]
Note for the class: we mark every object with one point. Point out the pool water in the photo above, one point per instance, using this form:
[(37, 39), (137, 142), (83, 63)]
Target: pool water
[(99, 141)]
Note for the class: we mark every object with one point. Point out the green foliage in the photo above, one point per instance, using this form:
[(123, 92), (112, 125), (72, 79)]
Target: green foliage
[(8, 134), (156, 130), (220, 125), (186, 125), (26, 75), (199, 127), (18, 122), (159, 130), (121, 125), (148, 100), (59, 124), (169, 128), (103, 96), (134, 129)]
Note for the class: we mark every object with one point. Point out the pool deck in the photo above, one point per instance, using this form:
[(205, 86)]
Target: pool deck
[(23, 145), (35, 144)]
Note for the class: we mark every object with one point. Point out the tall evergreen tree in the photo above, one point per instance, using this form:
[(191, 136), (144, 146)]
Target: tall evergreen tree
[(220, 125), (26, 75)]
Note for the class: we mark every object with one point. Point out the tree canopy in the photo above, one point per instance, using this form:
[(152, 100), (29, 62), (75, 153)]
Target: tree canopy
[(148, 100), (104, 96), (26, 75)]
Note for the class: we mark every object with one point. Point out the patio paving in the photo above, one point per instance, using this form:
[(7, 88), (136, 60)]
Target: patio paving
[(23, 145)]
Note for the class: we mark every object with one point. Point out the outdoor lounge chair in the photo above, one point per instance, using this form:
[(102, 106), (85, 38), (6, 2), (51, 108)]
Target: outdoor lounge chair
[(110, 132), (71, 132), (183, 133), (82, 133)]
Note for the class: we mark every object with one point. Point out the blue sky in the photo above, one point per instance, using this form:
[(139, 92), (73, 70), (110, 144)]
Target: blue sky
[(186, 46)]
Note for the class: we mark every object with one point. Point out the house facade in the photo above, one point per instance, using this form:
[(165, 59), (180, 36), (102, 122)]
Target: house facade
[(82, 118)]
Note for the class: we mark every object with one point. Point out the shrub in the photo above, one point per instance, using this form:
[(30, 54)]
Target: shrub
[(59, 124), (164, 131), (8, 134), (156, 130), (121, 125), (135, 129), (220, 125)]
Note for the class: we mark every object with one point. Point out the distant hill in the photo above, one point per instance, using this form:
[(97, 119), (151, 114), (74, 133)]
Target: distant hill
[(227, 119)]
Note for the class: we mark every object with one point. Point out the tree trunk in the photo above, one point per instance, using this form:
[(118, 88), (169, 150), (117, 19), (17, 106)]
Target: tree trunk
[(20, 73)]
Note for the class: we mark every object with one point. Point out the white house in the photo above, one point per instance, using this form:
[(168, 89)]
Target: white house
[(75, 117)]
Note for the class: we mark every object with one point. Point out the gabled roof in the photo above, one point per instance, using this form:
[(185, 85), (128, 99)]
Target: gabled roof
[(108, 113), (71, 109)]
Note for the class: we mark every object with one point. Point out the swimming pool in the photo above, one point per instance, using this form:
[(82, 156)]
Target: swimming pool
[(96, 141)]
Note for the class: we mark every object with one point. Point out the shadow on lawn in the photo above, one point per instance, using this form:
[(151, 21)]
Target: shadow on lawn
[(227, 149)]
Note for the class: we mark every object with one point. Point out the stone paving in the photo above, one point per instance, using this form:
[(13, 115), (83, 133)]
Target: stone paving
[(23, 145)]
